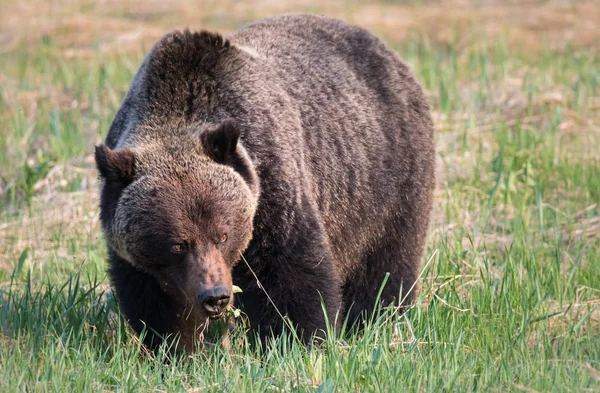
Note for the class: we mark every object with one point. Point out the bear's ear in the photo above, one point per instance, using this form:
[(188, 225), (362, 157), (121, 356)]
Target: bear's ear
[(220, 142), (115, 165)]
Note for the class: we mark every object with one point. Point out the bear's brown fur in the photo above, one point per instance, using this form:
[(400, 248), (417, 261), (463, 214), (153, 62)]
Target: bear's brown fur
[(299, 143)]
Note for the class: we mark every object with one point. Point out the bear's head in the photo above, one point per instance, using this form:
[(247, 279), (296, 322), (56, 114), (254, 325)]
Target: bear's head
[(181, 210)]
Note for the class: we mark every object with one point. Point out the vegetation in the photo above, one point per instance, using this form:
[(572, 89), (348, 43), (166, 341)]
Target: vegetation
[(510, 286)]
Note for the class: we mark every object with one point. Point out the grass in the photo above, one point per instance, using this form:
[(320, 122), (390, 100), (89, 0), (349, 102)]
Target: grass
[(510, 289)]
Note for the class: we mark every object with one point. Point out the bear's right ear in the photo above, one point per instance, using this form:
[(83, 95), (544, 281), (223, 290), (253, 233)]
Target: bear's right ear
[(220, 142), (115, 165)]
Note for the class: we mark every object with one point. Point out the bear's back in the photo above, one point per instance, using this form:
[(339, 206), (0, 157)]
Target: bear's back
[(365, 141)]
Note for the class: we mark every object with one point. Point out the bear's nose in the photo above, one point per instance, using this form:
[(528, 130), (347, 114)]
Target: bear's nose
[(214, 300)]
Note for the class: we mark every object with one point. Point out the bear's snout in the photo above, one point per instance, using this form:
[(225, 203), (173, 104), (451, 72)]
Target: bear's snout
[(214, 300)]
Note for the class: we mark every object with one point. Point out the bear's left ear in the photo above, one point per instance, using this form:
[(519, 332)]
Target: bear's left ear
[(116, 166), (220, 142)]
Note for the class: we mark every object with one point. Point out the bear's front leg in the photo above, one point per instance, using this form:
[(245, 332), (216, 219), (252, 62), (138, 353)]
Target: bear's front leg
[(292, 280), (141, 300)]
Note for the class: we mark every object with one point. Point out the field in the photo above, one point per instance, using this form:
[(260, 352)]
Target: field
[(510, 285)]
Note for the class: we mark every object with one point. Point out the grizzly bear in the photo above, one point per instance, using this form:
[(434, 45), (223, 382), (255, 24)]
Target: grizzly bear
[(293, 158)]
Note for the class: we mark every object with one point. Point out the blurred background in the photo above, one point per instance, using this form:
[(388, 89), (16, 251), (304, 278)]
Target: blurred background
[(82, 27), (487, 66)]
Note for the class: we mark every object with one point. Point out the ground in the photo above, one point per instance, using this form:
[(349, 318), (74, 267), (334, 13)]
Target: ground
[(510, 283)]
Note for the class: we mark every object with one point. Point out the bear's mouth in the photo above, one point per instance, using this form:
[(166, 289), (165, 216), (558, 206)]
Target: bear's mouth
[(217, 316)]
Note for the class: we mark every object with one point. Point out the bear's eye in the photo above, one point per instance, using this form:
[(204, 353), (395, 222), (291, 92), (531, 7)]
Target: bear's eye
[(178, 248), (223, 238)]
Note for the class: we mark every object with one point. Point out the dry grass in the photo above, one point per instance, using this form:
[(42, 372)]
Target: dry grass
[(119, 26)]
